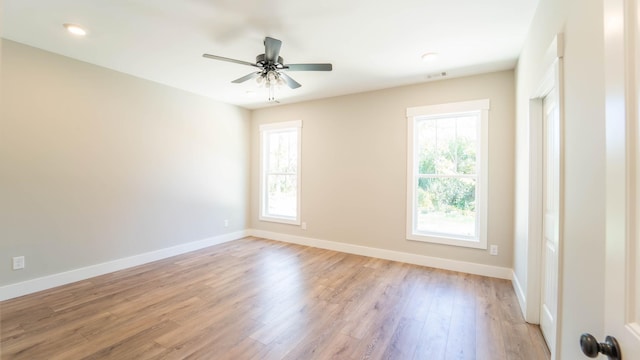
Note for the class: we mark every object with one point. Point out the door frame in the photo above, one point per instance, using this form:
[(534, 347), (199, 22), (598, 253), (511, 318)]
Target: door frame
[(550, 76)]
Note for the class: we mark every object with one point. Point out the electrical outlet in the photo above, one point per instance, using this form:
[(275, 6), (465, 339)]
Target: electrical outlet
[(303, 226), (493, 250), (226, 223), (18, 262)]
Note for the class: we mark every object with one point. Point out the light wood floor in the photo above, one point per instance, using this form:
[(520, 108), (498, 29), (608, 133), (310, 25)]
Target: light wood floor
[(260, 299)]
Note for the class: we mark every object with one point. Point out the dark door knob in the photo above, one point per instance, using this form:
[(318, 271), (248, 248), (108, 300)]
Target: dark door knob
[(591, 347)]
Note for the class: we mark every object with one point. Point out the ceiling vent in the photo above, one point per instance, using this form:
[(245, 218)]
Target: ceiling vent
[(437, 75)]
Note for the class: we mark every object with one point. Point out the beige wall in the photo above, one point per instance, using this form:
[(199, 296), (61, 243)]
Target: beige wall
[(548, 22), (354, 165), (581, 22), (98, 165)]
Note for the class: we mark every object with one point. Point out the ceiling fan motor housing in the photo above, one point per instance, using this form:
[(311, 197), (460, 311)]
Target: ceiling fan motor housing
[(261, 61)]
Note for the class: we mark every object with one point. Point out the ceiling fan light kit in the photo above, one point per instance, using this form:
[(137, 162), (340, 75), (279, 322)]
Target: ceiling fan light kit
[(270, 80), (272, 68)]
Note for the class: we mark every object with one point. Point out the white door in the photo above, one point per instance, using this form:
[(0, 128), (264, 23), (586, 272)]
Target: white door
[(550, 222), (622, 287)]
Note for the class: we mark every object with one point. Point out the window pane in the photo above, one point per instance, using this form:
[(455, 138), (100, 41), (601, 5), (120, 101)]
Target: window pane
[(447, 146), (446, 205), (426, 142), (283, 152), (466, 144), (281, 195)]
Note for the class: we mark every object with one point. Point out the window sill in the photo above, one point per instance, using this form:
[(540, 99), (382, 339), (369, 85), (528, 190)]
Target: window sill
[(280, 220), (445, 240)]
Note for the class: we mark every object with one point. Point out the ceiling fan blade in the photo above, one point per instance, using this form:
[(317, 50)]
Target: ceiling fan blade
[(247, 77), (308, 67), (290, 82), (216, 57), (272, 49)]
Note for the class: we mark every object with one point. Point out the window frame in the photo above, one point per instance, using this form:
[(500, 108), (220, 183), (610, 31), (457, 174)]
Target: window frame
[(266, 130), (445, 110)]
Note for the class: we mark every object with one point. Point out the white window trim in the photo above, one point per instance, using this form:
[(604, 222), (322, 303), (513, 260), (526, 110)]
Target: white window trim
[(482, 186), (267, 128)]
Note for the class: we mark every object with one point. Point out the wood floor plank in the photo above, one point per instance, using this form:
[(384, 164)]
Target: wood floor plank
[(461, 340), (140, 345), (247, 349), (489, 332), (261, 299), (540, 349), (436, 329), (408, 333)]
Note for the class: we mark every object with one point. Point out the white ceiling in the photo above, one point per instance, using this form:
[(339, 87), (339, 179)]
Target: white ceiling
[(371, 44)]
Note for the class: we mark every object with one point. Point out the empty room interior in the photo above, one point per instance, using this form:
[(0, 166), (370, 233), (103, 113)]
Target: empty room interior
[(217, 179)]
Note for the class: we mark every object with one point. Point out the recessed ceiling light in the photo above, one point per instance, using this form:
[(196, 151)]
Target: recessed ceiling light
[(429, 57), (75, 29)]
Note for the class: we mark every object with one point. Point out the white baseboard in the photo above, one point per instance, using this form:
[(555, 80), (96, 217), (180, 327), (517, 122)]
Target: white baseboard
[(435, 262), (47, 282), (517, 288)]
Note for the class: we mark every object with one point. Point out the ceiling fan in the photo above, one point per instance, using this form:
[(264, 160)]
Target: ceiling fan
[(271, 67)]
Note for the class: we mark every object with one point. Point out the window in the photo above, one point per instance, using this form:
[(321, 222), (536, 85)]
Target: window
[(280, 146), (447, 173)]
